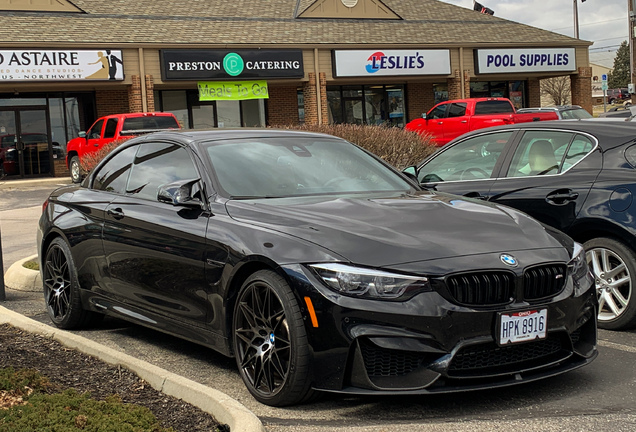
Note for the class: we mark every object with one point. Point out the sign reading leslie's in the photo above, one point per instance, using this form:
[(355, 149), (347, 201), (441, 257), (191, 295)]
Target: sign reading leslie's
[(352, 63), (198, 65), (61, 65), (489, 61)]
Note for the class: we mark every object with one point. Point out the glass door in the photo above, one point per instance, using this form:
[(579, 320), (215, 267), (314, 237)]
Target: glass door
[(24, 142)]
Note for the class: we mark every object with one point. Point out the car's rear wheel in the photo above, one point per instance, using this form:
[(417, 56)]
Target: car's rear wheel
[(614, 267), (270, 341), (74, 167), (61, 289)]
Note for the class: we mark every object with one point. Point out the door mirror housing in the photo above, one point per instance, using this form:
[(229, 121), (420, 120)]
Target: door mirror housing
[(179, 194), (424, 116), (82, 134), (411, 172)]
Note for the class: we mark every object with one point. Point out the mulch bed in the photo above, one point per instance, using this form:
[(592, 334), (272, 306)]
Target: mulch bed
[(69, 369)]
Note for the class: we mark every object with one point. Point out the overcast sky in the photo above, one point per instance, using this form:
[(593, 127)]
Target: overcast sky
[(604, 22)]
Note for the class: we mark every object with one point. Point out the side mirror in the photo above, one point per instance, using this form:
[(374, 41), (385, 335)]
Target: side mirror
[(82, 134), (411, 172), (424, 116), (179, 194)]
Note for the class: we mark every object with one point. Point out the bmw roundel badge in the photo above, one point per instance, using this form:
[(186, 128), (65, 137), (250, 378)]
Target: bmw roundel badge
[(509, 260)]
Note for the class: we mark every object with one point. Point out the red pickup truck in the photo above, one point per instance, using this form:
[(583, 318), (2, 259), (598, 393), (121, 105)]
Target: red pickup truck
[(448, 120), (112, 128)]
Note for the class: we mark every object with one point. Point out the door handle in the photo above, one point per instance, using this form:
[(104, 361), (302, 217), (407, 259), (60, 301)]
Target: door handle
[(440, 122), (464, 121), (476, 195), (95, 145), (115, 213), (561, 197)]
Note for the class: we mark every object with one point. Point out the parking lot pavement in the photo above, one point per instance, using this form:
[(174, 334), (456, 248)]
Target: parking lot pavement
[(599, 397)]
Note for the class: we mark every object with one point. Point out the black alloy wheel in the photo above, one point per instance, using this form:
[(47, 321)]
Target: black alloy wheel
[(61, 289), (270, 341), (614, 268), (75, 169)]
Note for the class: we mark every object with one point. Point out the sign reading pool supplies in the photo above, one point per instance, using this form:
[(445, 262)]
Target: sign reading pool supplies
[(369, 63), (493, 61), (237, 90)]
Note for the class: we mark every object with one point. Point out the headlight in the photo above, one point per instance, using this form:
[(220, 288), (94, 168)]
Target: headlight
[(580, 272), (369, 283)]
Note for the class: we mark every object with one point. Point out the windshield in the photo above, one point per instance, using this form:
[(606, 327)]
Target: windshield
[(281, 167), (576, 113)]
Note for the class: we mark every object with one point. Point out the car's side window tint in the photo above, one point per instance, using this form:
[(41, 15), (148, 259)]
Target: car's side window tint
[(539, 153), (113, 175), (157, 164), (111, 128), (457, 110), (471, 159), (438, 112), (96, 130), (579, 148)]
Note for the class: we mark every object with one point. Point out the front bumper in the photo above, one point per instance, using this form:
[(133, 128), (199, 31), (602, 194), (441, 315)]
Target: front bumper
[(429, 344)]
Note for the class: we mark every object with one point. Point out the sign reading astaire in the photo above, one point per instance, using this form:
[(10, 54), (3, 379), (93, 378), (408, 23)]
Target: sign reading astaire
[(525, 60), (352, 63), (236, 64), (61, 65)]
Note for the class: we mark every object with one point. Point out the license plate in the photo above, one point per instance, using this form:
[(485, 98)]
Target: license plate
[(523, 326)]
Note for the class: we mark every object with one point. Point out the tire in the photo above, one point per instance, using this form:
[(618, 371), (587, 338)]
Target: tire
[(270, 342), (75, 169), (614, 267), (61, 289)]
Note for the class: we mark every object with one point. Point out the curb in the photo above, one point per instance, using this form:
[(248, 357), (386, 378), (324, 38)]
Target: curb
[(224, 409), (20, 278)]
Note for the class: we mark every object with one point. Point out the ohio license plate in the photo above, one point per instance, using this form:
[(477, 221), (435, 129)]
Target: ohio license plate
[(523, 326)]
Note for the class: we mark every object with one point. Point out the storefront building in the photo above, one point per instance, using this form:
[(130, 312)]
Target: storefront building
[(220, 65)]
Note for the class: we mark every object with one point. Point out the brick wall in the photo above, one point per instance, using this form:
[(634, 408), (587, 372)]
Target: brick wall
[(134, 95), (581, 86), (111, 102), (150, 92), (60, 169), (323, 98), (419, 99), (534, 92), (282, 106), (311, 101)]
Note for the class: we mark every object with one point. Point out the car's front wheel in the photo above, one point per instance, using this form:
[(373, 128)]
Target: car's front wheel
[(270, 341), (614, 267), (61, 289), (74, 167)]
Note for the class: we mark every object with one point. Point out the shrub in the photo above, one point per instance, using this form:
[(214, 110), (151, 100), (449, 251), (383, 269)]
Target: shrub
[(396, 146)]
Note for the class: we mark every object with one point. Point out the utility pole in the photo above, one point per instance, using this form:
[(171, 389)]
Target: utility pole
[(631, 6), (2, 294), (576, 19)]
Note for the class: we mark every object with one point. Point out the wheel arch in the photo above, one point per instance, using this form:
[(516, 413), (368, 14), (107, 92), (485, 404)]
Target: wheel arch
[(241, 272), (589, 229), (46, 242), (70, 156)]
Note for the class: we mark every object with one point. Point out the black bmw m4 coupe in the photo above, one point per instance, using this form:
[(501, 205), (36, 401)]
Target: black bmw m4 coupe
[(317, 266)]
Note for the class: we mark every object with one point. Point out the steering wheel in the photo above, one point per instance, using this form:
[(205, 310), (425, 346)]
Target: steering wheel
[(474, 170)]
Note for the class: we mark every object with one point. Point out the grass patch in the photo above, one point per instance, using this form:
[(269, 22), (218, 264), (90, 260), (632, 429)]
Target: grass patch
[(24, 406), (31, 265)]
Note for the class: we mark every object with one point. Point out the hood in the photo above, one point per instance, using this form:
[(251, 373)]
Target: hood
[(394, 230)]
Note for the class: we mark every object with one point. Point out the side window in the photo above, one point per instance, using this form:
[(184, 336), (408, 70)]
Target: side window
[(493, 107), (111, 128), (437, 112), (539, 153), (580, 147), (471, 159), (157, 164), (96, 130), (113, 175), (457, 110)]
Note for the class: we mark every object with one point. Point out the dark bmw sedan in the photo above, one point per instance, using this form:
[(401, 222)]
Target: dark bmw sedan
[(576, 176), (317, 266)]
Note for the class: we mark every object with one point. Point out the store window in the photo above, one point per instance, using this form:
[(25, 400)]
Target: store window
[(194, 114), (440, 92), (513, 90), (372, 105)]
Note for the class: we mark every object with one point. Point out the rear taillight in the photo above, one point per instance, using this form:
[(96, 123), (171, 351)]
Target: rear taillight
[(45, 204)]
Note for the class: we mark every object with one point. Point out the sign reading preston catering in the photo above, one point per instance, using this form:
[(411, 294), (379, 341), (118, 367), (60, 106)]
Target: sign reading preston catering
[(491, 61), (61, 65), (391, 63), (196, 65), (238, 90)]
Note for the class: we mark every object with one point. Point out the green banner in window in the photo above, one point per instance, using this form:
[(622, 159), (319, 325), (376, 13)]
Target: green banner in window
[(235, 90)]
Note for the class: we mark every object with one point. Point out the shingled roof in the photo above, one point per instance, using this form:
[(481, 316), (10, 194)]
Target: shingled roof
[(256, 23)]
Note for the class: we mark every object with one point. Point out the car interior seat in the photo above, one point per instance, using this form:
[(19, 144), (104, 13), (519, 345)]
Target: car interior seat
[(541, 158)]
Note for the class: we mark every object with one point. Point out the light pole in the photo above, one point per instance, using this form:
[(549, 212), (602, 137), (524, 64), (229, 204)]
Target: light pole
[(2, 294), (576, 19)]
